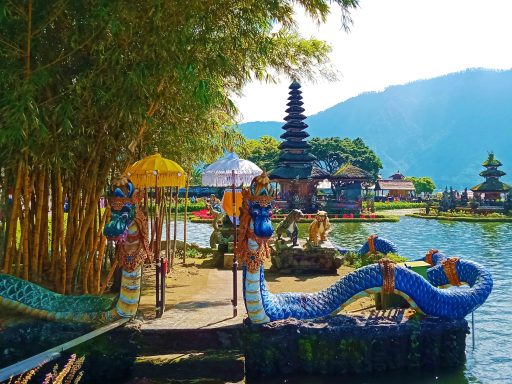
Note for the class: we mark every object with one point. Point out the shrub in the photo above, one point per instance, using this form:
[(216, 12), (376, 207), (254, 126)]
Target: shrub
[(355, 260), (379, 206)]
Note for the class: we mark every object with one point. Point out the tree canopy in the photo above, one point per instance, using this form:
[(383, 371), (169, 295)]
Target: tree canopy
[(422, 184), (263, 152), (333, 152)]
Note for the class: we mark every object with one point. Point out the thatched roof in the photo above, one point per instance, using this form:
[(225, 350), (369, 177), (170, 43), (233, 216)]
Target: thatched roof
[(350, 172), (492, 185), (395, 185), (492, 173), (491, 161)]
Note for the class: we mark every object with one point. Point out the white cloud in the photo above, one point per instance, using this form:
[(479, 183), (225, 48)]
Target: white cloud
[(394, 42)]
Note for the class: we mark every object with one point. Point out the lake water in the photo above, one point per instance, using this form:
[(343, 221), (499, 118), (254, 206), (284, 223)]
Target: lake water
[(490, 244)]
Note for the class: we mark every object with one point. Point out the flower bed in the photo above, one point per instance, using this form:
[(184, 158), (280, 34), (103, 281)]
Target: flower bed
[(464, 217)]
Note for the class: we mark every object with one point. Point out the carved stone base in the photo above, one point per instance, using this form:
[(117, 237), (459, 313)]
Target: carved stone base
[(304, 258), (353, 344)]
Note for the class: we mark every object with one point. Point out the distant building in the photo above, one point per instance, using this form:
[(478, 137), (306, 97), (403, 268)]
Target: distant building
[(396, 187), (492, 188), (348, 182)]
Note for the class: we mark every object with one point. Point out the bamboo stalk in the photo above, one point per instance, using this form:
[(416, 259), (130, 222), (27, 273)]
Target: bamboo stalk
[(79, 242), (98, 265), (13, 221), (61, 277), (43, 248), (36, 254), (25, 227), (109, 276), (94, 247)]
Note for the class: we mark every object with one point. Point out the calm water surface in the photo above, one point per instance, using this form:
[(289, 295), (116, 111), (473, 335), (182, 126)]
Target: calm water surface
[(490, 361)]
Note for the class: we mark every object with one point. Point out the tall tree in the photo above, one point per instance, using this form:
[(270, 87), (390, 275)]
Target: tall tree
[(263, 152), (422, 184), (333, 152)]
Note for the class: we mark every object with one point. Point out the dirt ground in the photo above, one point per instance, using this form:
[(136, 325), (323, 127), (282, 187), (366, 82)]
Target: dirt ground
[(185, 281)]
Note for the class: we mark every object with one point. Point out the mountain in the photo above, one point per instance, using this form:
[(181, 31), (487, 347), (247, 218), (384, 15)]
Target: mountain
[(441, 127)]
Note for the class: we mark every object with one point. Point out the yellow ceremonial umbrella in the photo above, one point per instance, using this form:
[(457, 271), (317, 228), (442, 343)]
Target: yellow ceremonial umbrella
[(156, 171)]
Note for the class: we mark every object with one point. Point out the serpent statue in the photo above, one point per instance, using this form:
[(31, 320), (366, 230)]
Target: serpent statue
[(128, 228), (387, 277)]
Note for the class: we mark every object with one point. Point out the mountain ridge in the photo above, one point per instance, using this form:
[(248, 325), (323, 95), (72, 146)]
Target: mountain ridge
[(441, 127)]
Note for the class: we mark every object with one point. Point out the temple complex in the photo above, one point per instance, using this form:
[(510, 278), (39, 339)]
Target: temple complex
[(396, 187), (492, 188), (296, 173)]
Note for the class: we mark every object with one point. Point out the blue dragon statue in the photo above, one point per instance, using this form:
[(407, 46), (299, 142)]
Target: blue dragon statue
[(425, 296), (128, 228)]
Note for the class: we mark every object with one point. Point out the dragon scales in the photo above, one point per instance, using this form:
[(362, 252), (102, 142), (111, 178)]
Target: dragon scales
[(128, 228), (425, 296)]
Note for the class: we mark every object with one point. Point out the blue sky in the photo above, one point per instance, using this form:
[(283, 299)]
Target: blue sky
[(393, 42)]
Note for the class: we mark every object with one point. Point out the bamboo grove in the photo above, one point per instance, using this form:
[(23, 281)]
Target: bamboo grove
[(89, 86)]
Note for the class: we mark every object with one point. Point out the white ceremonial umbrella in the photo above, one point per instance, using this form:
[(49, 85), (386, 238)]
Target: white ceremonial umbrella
[(231, 171), (220, 173)]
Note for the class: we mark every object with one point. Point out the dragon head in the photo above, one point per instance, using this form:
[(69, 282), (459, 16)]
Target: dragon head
[(123, 202), (259, 197)]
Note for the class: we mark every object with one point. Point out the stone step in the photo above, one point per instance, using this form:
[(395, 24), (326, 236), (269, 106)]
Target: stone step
[(206, 366), (164, 341)]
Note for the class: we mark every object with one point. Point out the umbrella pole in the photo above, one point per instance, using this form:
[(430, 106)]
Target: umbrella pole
[(168, 226), (160, 277), (175, 226), (234, 301), (187, 186)]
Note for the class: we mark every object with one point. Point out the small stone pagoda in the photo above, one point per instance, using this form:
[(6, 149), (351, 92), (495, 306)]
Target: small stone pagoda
[(296, 173), (492, 188)]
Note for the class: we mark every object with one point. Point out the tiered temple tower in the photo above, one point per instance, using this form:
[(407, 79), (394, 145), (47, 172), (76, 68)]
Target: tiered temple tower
[(296, 172), (492, 187)]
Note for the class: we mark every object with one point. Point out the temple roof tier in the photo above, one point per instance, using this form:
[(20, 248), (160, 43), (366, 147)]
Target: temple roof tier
[(492, 185), (491, 161), (297, 134), (298, 173), (295, 116), (294, 109), (492, 172), (296, 157), (294, 125), (294, 145)]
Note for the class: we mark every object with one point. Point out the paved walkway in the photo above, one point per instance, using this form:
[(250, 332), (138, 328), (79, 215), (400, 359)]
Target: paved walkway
[(209, 308), (398, 212)]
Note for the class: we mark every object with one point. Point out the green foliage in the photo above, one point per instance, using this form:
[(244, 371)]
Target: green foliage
[(263, 152), (333, 152), (422, 184), (105, 74), (380, 206), (352, 259)]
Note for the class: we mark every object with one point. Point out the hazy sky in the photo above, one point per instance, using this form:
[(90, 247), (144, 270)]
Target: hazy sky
[(394, 42)]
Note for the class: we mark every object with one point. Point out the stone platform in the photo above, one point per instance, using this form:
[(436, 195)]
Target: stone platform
[(304, 258), (353, 344)]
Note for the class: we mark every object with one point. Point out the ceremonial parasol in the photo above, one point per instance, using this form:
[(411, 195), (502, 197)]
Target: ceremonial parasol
[(156, 172), (231, 171)]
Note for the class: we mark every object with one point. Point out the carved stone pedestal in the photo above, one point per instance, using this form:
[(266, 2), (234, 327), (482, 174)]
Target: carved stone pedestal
[(304, 258)]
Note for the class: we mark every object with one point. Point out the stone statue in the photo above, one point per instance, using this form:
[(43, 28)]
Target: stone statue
[(289, 226), (319, 228)]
